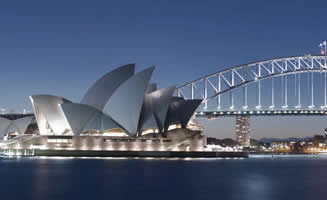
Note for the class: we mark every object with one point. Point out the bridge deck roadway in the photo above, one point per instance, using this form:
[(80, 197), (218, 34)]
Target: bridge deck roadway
[(213, 114)]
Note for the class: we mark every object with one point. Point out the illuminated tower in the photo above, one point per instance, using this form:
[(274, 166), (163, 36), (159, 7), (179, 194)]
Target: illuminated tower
[(243, 130)]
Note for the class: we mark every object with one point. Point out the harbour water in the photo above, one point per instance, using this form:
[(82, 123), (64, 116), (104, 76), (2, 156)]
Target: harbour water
[(258, 177)]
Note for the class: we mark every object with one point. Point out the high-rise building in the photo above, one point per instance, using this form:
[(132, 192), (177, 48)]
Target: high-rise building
[(325, 135), (243, 130)]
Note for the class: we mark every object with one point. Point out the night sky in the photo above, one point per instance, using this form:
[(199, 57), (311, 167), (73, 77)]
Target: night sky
[(62, 47)]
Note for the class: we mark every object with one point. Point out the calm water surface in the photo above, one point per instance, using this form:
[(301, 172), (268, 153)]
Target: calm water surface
[(259, 177)]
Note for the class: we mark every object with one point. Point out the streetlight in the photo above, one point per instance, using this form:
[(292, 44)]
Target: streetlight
[(323, 48)]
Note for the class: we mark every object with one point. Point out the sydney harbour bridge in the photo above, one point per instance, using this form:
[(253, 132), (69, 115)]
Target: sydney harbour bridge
[(283, 86)]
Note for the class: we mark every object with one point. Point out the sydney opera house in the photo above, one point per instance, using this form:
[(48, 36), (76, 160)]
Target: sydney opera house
[(121, 111)]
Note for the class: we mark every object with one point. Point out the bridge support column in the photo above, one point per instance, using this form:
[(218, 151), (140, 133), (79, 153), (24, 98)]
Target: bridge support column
[(272, 106), (299, 92), (285, 106), (325, 90), (232, 92), (243, 130), (258, 95), (312, 99), (205, 93), (245, 96), (219, 90)]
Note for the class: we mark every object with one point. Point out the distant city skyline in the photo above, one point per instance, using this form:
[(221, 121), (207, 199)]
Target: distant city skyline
[(61, 47), (267, 126)]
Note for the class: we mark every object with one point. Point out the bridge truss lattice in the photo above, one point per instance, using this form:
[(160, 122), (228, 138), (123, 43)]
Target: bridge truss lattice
[(289, 85)]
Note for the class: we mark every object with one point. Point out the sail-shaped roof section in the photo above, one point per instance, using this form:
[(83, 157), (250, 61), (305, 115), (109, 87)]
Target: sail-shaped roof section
[(151, 88), (4, 125), (101, 122), (47, 113), (181, 111), (147, 119), (125, 104), (99, 93), (22, 123), (160, 103), (155, 108), (77, 115), (81, 116)]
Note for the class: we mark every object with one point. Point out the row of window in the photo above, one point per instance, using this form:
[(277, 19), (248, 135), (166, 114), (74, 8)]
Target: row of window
[(63, 141), (69, 141), (136, 140)]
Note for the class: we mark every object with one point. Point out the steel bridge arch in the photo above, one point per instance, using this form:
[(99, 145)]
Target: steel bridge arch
[(242, 75)]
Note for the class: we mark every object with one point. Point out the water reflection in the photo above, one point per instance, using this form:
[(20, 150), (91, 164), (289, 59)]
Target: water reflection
[(284, 177)]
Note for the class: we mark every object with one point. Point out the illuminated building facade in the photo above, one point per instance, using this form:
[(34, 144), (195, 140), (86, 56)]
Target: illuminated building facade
[(121, 111), (243, 130)]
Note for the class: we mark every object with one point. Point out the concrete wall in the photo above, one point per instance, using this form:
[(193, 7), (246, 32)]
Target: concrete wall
[(176, 140)]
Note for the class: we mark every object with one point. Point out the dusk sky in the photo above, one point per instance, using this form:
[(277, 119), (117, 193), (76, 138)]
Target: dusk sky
[(62, 47)]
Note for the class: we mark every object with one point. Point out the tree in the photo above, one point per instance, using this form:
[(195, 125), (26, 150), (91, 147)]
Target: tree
[(297, 148), (318, 139)]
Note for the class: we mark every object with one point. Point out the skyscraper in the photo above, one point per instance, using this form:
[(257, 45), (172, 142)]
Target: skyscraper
[(325, 135), (243, 130)]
